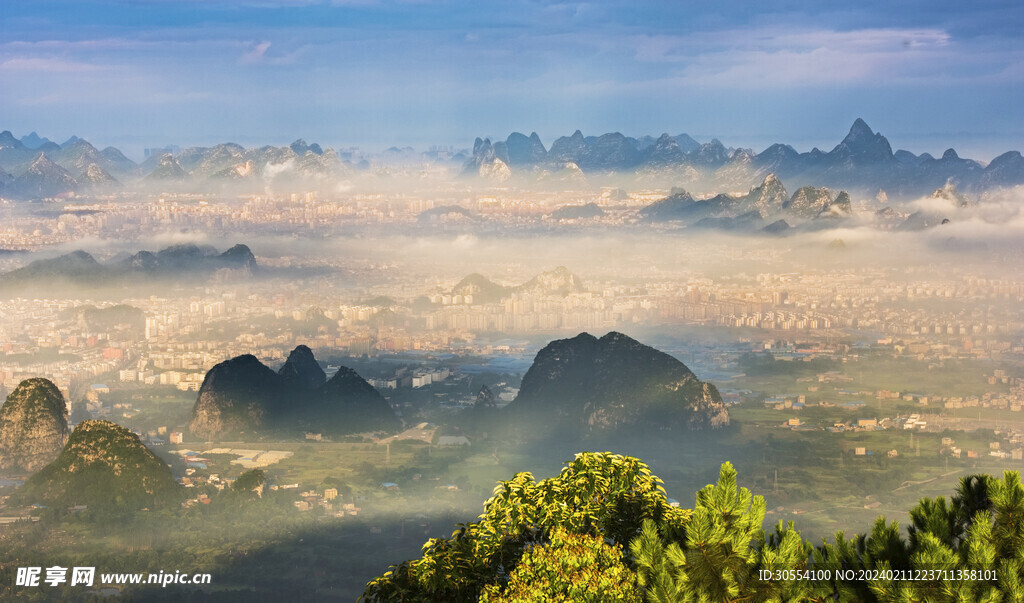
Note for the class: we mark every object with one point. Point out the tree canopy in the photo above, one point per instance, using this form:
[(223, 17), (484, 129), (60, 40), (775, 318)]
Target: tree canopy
[(603, 530)]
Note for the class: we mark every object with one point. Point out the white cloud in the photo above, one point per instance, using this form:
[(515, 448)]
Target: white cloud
[(41, 64), (257, 54)]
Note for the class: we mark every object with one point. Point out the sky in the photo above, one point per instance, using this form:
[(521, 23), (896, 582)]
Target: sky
[(928, 74)]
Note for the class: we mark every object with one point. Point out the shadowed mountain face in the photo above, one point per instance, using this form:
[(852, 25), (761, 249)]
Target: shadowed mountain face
[(242, 396), (525, 151), (33, 426), (348, 404), (590, 384), (301, 370), (103, 465)]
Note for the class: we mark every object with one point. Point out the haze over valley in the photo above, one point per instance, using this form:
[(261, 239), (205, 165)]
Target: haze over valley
[(543, 301), (855, 314)]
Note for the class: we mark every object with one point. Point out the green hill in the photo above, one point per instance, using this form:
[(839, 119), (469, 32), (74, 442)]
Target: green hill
[(103, 465)]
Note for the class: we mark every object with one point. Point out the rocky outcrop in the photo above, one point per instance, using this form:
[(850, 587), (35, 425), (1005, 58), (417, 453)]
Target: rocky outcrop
[(242, 397), (485, 399), (808, 201), (237, 396), (591, 384), (33, 426), (768, 198)]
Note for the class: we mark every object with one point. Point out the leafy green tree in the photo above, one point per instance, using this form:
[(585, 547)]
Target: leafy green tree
[(571, 567), (596, 494), (249, 482)]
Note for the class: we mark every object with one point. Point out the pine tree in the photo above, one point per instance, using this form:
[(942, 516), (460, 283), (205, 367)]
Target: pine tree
[(661, 569), (719, 553)]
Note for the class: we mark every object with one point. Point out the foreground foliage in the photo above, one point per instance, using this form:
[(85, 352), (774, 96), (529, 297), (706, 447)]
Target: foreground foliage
[(575, 567), (602, 530)]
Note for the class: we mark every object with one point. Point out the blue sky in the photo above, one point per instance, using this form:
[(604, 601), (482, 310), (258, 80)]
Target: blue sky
[(927, 74)]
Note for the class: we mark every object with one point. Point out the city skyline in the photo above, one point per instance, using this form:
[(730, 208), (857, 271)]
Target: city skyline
[(134, 75)]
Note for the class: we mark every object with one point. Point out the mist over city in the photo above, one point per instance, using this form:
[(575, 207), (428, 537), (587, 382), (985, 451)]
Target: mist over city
[(423, 301)]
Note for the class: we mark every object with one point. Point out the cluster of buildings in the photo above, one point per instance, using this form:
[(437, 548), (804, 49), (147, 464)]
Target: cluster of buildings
[(414, 378)]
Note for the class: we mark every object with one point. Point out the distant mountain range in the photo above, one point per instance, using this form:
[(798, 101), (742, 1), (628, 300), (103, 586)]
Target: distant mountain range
[(767, 206), (36, 168), (243, 397), (175, 262), (769, 209), (863, 160)]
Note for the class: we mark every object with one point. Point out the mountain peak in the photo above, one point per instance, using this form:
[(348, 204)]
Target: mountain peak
[(167, 169), (586, 383), (664, 152), (44, 178), (105, 465), (860, 128), (8, 140), (94, 175), (301, 370), (238, 256), (768, 198), (862, 146), (485, 398), (33, 426), (33, 140), (242, 395)]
